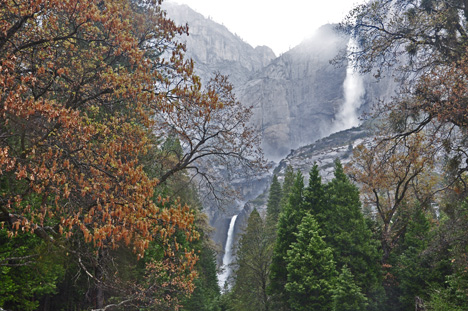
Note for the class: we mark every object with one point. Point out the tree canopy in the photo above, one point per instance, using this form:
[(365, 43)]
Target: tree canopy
[(417, 163), (87, 90)]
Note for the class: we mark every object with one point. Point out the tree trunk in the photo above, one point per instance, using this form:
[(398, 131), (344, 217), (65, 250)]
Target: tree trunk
[(419, 304)]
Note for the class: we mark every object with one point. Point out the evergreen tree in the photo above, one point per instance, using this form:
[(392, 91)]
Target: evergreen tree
[(453, 292), (314, 196), (311, 270), (36, 272), (347, 296), (274, 202), (289, 219), (417, 267), (347, 233), (453, 296), (273, 211), (413, 270), (252, 267), (207, 290), (288, 184)]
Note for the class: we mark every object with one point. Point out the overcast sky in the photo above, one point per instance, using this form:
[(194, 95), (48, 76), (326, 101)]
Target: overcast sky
[(281, 25)]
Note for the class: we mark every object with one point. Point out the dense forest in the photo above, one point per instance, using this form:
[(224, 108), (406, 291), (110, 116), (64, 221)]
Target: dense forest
[(108, 140)]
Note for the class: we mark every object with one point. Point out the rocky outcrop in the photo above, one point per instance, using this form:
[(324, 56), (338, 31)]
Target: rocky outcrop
[(325, 151)]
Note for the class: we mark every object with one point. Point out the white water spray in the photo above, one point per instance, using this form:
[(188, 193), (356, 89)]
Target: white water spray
[(227, 258), (354, 92)]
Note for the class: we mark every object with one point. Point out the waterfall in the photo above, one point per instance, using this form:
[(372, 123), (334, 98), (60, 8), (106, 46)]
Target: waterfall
[(354, 92), (227, 258)]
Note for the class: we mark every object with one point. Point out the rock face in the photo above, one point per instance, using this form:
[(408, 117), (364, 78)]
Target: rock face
[(325, 151), (214, 48), (296, 96)]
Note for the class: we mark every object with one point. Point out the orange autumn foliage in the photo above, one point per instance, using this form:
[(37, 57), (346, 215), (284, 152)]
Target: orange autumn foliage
[(79, 84), (89, 90), (394, 176)]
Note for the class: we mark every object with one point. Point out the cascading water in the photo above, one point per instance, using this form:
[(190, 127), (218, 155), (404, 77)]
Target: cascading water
[(227, 258), (354, 92)]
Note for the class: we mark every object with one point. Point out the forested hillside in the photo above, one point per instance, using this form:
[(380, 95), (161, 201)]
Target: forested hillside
[(110, 145)]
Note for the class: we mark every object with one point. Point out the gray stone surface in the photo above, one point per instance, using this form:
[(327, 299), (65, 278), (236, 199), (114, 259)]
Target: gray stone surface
[(214, 48), (296, 96)]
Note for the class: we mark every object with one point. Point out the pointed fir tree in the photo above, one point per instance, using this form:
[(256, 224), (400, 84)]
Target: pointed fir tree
[(314, 195), (311, 269), (273, 212), (414, 264), (347, 296), (207, 291), (289, 219), (288, 184), (251, 274), (347, 233), (274, 202)]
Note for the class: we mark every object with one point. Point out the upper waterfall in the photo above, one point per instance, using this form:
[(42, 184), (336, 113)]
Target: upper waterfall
[(354, 92)]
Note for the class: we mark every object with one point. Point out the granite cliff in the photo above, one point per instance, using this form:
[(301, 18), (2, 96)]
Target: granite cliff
[(295, 97)]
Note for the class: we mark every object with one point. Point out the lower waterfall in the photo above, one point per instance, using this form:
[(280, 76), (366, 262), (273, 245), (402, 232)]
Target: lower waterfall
[(227, 258)]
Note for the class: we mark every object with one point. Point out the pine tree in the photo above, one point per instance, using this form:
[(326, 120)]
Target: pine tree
[(274, 202), (207, 291), (346, 232), (274, 209), (453, 235), (252, 267), (314, 196), (347, 296), (288, 184), (289, 219), (413, 263), (311, 270)]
